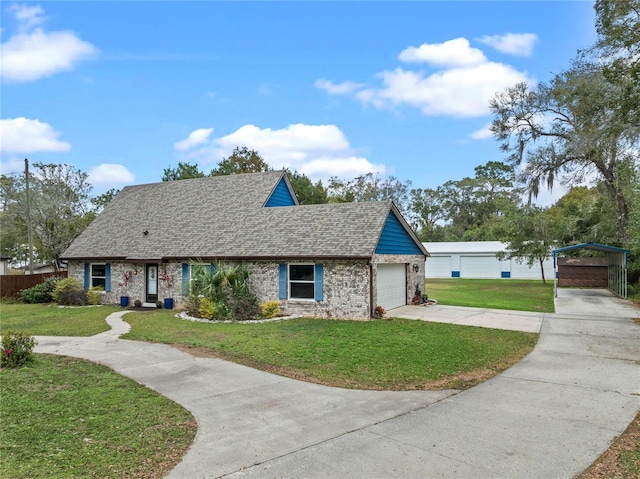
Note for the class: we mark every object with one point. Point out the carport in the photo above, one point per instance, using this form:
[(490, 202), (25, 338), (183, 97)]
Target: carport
[(616, 266)]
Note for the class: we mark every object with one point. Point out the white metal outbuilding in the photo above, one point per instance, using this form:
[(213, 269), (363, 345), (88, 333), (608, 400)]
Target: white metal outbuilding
[(477, 259)]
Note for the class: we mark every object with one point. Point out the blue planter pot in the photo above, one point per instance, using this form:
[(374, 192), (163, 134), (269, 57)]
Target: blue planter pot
[(168, 303), (124, 301)]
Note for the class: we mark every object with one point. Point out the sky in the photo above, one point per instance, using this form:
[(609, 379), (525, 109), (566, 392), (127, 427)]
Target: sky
[(124, 89)]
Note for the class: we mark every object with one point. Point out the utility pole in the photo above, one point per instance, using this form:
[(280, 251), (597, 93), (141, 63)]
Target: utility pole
[(29, 233)]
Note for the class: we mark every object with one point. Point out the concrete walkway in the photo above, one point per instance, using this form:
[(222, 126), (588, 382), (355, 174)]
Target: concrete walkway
[(549, 416), (485, 318)]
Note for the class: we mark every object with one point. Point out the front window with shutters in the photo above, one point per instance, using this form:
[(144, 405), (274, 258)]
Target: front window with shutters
[(99, 275), (301, 281)]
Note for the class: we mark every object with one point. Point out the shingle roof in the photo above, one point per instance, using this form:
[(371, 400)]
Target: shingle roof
[(224, 217)]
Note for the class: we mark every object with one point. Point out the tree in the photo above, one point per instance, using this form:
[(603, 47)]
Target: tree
[(618, 50), (473, 207), (425, 212), (13, 229), (566, 129), (582, 216), (242, 160), (530, 237), (183, 171), (369, 187), (306, 192), (59, 207), (100, 202)]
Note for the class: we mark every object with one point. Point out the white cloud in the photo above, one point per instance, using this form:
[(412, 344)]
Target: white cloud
[(292, 140), (452, 53), (34, 53), (345, 167), (28, 17), (196, 137), (458, 92), (483, 133), (110, 174), (462, 84), (520, 44), (337, 88), (318, 151), (22, 135)]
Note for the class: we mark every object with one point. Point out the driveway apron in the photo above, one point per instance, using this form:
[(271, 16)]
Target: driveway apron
[(549, 416)]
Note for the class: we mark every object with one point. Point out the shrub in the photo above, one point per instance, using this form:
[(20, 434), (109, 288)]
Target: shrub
[(379, 312), (69, 291), (244, 306), (137, 303), (95, 295), (191, 306), (207, 309), (270, 309), (17, 349), (40, 293), (226, 287)]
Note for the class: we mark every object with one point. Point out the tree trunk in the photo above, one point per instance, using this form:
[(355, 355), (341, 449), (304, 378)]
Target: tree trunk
[(621, 202), (541, 260)]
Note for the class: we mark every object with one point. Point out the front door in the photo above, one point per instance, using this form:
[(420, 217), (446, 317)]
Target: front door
[(152, 283)]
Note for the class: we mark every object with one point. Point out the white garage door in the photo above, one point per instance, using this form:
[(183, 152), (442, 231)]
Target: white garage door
[(479, 267), (392, 285), (438, 267)]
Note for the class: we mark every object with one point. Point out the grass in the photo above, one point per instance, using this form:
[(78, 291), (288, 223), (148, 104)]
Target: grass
[(50, 320), (621, 460), (516, 295), (396, 355), (68, 418)]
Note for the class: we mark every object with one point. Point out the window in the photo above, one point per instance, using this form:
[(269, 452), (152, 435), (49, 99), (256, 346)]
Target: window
[(99, 275), (301, 281), (189, 271)]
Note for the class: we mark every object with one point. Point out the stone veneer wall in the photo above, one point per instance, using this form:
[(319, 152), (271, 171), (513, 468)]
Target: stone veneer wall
[(345, 290), (135, 286), (346, 286)]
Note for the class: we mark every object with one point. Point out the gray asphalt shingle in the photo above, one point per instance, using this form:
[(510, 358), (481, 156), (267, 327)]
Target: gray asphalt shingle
[(224, 217)]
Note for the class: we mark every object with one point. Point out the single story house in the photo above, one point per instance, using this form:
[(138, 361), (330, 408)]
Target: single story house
[(477, 259), (330, 260)]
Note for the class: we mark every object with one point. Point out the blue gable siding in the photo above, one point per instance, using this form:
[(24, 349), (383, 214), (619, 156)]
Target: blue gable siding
[(281, 196), (395, 239)]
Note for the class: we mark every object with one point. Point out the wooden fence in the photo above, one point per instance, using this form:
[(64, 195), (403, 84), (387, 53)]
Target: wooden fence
[(11, 285), (583, 272)]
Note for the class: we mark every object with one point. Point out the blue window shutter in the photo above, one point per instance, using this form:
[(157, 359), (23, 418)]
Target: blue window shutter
[(107, 277), (185, 279), (212, 267), (282, 281), (87, 275), (319, 282)]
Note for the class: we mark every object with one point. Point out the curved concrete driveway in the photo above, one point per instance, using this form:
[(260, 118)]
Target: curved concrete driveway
[(550, 415)]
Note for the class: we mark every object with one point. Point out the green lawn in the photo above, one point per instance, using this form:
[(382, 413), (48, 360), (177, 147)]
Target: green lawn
[(51, 320), (68, 418), (513, 294), (396, 354)]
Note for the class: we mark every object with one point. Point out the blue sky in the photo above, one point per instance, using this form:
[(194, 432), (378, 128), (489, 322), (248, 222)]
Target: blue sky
[(123, 90)]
